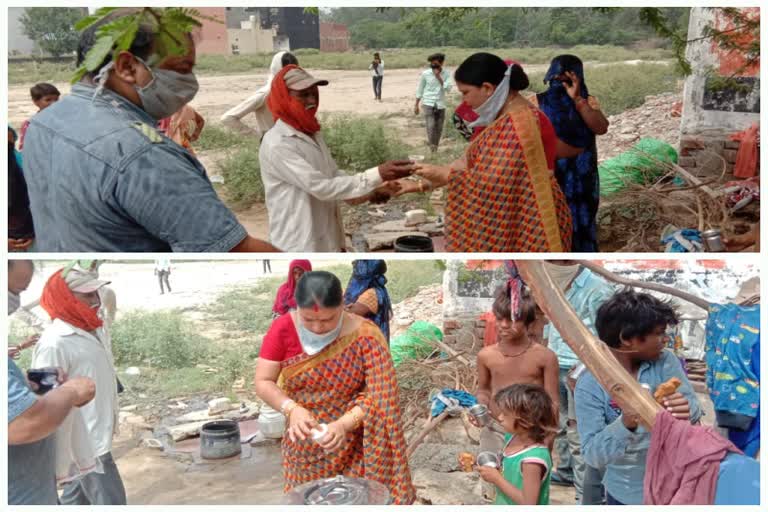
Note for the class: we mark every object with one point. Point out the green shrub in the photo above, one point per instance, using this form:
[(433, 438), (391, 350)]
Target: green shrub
[(359, 143), (215, 137), (233, 364), (305, 51), (161, 339), (242, 175)]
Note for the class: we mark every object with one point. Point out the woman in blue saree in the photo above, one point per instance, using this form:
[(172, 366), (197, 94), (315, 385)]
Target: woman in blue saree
[(367, 294)]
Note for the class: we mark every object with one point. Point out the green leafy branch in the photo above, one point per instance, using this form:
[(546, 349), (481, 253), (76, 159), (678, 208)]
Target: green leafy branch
[(170, 24)]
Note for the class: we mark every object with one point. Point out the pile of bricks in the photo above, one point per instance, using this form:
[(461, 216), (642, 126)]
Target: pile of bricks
[(696, 154)]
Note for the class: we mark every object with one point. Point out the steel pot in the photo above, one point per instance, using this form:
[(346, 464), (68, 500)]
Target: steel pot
[(220, 439), (339, 490)]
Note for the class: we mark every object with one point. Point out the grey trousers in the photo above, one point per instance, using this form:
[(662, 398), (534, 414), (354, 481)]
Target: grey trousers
[(435, 118), (162, 277), (97, 488), (377, 86), (491, 440), (593, 492), (567, 442)]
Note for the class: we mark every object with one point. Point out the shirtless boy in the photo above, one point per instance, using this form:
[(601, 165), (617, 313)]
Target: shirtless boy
[(515, 359)]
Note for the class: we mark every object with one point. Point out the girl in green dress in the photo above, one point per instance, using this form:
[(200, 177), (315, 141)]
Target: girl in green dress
[(529, 417)]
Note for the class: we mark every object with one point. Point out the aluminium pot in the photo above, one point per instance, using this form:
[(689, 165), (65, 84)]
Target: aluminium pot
[(220, 439)]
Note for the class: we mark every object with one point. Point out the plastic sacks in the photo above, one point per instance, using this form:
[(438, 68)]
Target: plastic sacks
[(634, 165), (415, 342)]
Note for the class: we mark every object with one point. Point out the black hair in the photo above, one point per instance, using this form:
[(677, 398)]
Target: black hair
[(142, 46), (39, 91), (629, 314), (532, 408), (288, 58), (318, 288), (483, 67), (569, 62), (502, 305), (376, 54), (440, 57)]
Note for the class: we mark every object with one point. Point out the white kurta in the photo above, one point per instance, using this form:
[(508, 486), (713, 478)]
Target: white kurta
[(303, 187)]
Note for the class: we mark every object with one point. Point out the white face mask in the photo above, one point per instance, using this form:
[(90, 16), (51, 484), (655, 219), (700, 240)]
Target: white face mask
[(167, 92), (312, 343), (488, 111), (14, 302)]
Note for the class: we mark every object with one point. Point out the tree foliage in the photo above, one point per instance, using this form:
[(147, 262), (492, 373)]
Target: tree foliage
[(171, 24), (52, 28)]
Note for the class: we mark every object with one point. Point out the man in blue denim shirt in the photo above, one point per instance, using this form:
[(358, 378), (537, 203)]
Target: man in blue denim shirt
[(633, 325), (102, 179), (33, 419), (585, 292)]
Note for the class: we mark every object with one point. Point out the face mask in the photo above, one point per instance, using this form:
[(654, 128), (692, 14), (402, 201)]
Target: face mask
[(14, 302), (312, 343), (167, 92), (488, 111)]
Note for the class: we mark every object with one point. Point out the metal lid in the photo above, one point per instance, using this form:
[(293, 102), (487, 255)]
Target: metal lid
[(710, 233), (339, 490)]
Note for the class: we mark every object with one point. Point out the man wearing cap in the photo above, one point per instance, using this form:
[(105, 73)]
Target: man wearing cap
[(302, 183), (76, 342)]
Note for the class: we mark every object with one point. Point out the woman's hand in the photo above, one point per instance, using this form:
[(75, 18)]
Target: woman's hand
[(438, 175), (406, 186), (30, 341), (678, 405), (14, 351), (489, 474), (301, 423), (335, 437), (573, 90)]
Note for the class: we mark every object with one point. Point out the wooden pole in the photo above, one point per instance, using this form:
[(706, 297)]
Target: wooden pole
[(688, 297), (591, 351)]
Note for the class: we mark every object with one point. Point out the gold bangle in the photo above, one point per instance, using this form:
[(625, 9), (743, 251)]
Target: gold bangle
[(357, 418), (289, 408)]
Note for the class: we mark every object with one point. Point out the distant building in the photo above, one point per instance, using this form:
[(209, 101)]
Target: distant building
[(334, 37), (268, 29), (212, 37), (18, 42)]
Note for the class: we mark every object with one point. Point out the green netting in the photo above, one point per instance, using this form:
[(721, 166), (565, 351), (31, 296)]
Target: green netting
[(636, 165), (415, 342)]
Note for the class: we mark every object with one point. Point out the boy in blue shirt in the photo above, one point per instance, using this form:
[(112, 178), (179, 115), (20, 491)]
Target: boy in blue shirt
[(633, 325)]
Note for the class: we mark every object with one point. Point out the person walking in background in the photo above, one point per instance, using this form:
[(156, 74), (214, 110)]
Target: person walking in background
[(163, 271), (257, 104), (433, 84), (367, 293), (43, 96), (377, 74), (267, 266), (577, 118)]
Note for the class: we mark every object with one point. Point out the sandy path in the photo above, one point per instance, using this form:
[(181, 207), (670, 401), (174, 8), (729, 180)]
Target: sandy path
[(194, 283), (348, 91)]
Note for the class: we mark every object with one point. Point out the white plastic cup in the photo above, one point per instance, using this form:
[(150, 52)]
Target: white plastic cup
[(319, 433)]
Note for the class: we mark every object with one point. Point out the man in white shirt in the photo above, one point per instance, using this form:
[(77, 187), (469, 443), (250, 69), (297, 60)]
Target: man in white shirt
[(77, 342), (163, 271), (302, 183)]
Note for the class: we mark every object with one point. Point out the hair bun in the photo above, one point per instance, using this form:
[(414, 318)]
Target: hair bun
[(518, 80)]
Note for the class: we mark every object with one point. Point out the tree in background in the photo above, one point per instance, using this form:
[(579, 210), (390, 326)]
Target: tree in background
[(52, 28)]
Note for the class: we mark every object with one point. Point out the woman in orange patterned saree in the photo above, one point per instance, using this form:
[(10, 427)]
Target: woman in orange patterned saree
[(322, 365), (503, 195)]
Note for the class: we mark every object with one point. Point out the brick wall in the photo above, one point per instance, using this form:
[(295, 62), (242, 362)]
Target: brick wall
[(212, 38), (334, 37), (697, 154)]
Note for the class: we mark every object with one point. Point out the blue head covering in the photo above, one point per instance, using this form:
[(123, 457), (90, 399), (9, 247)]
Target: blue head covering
[(560, 108), (367, 274)]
